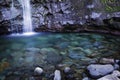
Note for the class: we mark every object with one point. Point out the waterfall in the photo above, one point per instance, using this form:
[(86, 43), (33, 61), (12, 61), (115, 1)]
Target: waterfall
[(27, 20)]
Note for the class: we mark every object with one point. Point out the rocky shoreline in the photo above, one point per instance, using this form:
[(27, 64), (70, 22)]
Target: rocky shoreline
[(106, 69)]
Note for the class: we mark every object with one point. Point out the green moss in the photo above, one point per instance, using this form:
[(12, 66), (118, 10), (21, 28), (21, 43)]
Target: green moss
[(112, 9), (111, 5), (107, 1)]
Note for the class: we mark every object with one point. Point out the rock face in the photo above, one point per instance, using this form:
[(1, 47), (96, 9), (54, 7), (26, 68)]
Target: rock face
[(97, 70), (56, 13)]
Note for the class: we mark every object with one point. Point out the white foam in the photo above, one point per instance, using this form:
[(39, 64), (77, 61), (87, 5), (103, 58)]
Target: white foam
[(24, 34)]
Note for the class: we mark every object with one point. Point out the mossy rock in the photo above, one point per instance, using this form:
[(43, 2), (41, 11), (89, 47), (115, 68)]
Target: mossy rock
[(111, 5)]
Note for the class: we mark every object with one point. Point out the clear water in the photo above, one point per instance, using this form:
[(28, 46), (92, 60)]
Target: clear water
[(21, 54)]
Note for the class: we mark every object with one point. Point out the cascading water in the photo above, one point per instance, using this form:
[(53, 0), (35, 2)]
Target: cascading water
[(27, 20)]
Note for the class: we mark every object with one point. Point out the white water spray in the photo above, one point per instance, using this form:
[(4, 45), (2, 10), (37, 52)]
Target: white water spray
[(27, 20)]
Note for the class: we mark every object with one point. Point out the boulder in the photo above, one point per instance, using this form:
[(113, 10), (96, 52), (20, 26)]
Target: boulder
[(114, 76), (98, 70)]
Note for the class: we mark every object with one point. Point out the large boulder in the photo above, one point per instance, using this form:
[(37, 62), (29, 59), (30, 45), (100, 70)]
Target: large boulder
[(114, 76), (97, 70)]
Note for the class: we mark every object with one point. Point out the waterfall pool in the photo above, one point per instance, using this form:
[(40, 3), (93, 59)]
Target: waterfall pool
[(19, 55)]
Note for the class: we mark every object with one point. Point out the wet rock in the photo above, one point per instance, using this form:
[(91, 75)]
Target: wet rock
[(116, 66), (67, 69), (16, 46), (32, 49), (47, 50), (118, 62), (93, 55), (97, 44), (6, 13), (97, 70), (95, 15), (63, 53), (57, 75), (86, 78), (113, 22), (87, 60), (31, 78), (88, 51), (53, 58), (69, 73), (114, 76), (97, 37), (63, 45), (38, 78), (86, 44), (107, 61), (2, 77), (38, 71), (76, 54), (13, 77)]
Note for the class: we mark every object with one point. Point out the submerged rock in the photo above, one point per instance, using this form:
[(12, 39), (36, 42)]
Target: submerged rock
[(106, 61), (53, 58), (33, 49), (76, 54), (98, 70)]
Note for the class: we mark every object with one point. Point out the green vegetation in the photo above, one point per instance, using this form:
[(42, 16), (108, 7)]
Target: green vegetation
[(111, 5)]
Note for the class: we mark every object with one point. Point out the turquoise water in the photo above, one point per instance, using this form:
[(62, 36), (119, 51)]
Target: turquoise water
[(77, 50)]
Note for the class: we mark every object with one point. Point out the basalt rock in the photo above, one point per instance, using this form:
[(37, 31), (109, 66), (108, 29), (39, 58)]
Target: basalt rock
[(57, 14)]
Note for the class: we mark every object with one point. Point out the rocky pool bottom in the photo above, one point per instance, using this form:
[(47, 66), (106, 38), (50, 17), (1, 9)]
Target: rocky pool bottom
[(59, 56)]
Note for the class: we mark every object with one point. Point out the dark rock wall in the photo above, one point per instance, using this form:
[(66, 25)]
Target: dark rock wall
[(56, 13)]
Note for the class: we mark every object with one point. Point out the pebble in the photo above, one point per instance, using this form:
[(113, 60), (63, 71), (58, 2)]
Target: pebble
[(67, 69), (38, 71)]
